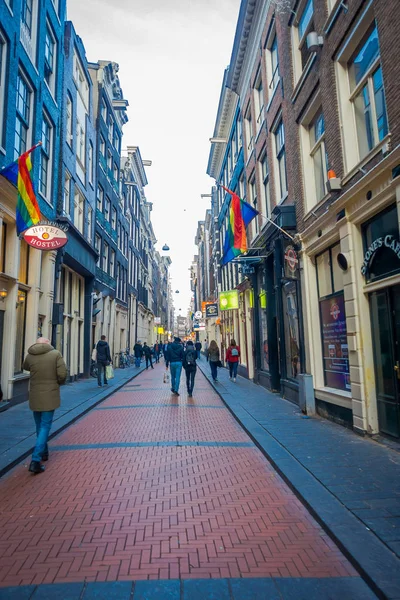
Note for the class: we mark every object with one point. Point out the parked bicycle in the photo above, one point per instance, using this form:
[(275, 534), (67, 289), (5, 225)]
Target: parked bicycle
[(123, 360)]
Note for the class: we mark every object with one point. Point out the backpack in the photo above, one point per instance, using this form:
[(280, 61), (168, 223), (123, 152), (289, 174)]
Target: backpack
[(191, 358), (235, 352)]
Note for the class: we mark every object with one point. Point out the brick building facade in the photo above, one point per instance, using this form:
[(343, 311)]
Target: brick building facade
[(307, 132)]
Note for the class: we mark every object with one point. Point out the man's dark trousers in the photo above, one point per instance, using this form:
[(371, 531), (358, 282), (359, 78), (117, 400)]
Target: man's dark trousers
[(148, 360)]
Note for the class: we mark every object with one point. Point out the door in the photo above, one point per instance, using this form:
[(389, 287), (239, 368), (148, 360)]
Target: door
[(385, 310)]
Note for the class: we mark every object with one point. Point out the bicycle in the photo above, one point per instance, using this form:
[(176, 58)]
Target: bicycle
[(123, 361)]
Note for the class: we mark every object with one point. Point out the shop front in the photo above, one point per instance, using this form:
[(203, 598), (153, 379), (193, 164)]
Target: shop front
[(381, 269), (279, 347)]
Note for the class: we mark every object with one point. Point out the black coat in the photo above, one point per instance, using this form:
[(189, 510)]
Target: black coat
[(175, 352), (147, 351), (103, 352), (138, 350)]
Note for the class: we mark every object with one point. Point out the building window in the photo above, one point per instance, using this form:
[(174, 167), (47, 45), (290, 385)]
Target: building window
[(263, 318), (79, 211), (70, 135), (318, 155), (281, 160), (80, 142), (24, 100), (45, 158), (116, 140), (27, 15), (112, 263), (107, 204), (272, 61), (104, 110), (102, 147), (115, 173), (97, 245), (113, 218), (301, 53), (259, 102), (109, 164), (3, 60), (254, 202), (110, 128), (266, 196), (90, 224), (90, 163), (249, 132), (105, 257), (367, 93), (49, 58), (100, 198), (67, 193), (333, 320)]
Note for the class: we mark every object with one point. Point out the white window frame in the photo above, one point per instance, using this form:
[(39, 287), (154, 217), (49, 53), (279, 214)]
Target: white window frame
[(90, 163), (249, 132), (69, 122), (279, 153), (79, 210), (67, 193), (28, 34), (26, 123), (266, 187), (299, 40), (51, 78), (97, 245), (258, 94), (353, 157), (104, 110), (90, 224), (100, 198), (106, 250), (46, 154)]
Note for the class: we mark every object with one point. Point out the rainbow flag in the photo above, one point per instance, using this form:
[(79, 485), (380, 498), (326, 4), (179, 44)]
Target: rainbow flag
[(18, 173), (240, 215)]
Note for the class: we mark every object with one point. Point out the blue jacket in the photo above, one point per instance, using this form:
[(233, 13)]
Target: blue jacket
[(174, 353)]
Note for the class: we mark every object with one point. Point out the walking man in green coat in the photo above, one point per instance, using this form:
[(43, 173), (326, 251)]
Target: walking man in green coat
[(48, 372)]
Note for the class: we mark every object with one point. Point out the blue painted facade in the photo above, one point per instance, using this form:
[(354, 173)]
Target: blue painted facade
[(77, 198), (32, 51)]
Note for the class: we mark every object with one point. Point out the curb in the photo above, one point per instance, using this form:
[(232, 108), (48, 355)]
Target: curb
[(377, 565), (74, 418)]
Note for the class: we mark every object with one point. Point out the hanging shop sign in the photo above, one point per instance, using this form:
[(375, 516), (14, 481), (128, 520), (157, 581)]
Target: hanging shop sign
[(211, 310), (45, 237), (198, 314), (229, 300), (246, 270), (157, 320), (334, 341), (291, 261), (199, 327), (203, 306), (160, 330), (388, 241)]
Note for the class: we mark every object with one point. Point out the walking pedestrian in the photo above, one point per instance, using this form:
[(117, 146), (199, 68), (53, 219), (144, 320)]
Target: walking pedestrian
[(103, 360), (166, 346), (213, 358), (232, 358), (189, 364), (198, 348), (157, 349), (48, 371), (174, 361), (147, 355), (138, 352)]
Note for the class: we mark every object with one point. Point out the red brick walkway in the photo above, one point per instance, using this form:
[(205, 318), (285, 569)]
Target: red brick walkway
[(128, 494)]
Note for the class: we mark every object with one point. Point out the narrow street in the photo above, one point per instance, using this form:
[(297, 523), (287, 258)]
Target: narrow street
[(150, 486)]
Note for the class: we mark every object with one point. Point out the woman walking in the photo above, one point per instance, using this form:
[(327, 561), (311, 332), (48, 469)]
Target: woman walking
[(189, 364), (232, 358), (213, 358)]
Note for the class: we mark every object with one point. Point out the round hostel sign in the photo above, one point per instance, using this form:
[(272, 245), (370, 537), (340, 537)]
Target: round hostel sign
[(198, 314), (45, 237)]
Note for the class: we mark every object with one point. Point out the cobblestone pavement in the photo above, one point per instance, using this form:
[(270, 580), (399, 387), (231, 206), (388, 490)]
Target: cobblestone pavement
[(148, 486)]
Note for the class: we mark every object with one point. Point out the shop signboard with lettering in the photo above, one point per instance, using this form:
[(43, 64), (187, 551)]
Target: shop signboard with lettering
[(229, 300), (211, 310), (334, 342)]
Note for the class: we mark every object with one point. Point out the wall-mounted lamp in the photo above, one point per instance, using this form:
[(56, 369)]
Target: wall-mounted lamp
[(314, 41), (3, 294), (20, 298), (333, 184)]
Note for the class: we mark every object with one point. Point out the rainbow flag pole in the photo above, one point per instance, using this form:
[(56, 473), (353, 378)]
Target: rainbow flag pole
[(18, 173), (240, 215)]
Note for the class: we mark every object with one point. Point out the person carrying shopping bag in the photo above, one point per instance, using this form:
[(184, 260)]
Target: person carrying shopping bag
[(103, 360), (190, 366), (232, 358), (213, 359), (174, 360)]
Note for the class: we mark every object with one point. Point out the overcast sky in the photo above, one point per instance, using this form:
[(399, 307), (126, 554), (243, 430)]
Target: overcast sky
[(172, 55)]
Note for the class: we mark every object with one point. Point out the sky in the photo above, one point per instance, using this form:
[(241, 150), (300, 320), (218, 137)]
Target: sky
[(172, 55)]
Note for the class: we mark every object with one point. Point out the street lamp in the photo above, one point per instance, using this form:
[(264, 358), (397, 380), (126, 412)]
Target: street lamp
[(165, 248)]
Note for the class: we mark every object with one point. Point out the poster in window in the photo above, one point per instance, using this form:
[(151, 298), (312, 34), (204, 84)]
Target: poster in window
[(334, 342)]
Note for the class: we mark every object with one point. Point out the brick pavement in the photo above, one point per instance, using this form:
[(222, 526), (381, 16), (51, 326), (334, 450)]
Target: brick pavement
[(150, 486)]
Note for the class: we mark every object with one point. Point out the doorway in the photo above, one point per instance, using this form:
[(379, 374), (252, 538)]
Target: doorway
[(385, 314)]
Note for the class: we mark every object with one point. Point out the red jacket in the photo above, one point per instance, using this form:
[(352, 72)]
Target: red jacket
[(229, 357)]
